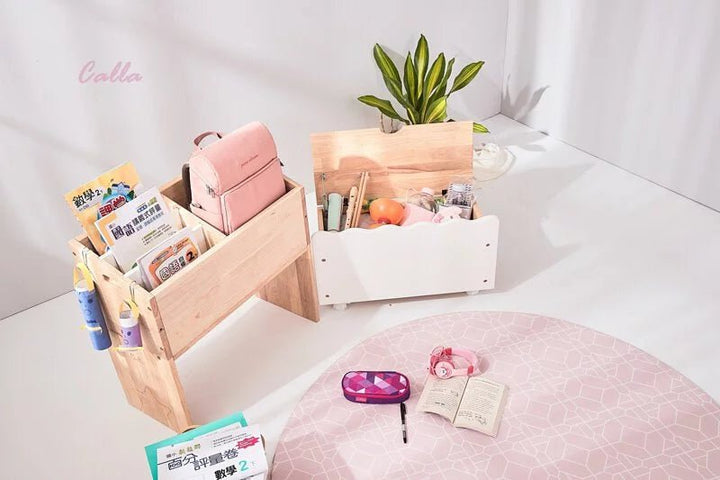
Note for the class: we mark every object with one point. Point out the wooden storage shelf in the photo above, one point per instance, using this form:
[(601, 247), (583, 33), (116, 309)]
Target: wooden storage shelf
[(269, 256), (358, 265)]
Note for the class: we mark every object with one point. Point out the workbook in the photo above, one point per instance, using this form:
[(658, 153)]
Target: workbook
[(136, 227), (97, 198), (171, 255), (234, 452), (468, 402)]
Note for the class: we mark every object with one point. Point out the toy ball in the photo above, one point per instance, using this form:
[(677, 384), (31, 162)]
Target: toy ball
[(386, 211)]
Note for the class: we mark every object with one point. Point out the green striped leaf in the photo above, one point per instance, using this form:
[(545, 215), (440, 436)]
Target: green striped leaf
[(422, 58), (396, 91), (410, 79), (432, 80), (386, 66), (433, 77), (413, 116), (383, 105), (442, 88), (479, 128), (448, 72), (466, 75), (437, 111)]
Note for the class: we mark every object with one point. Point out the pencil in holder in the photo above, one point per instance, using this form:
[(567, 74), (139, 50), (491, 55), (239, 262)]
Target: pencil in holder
[(90, 306), (128, 318)]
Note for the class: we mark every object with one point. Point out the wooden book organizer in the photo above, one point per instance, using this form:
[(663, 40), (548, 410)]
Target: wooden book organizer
[(269, 256)]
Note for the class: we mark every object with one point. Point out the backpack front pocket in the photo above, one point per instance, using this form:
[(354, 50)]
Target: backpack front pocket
[(248, 198)]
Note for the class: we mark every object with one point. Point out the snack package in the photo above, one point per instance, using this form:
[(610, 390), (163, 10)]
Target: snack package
[(98, 197)]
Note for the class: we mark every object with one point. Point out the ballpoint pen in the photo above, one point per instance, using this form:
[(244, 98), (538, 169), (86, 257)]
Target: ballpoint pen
[(404, 423)]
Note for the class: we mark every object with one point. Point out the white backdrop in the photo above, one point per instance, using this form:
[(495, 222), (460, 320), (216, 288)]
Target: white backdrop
[(636, 83), (296, 65)]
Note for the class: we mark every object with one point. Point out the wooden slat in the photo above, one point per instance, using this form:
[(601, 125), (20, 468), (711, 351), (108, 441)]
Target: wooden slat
[(213, 236), (200, 296), (416, 156)]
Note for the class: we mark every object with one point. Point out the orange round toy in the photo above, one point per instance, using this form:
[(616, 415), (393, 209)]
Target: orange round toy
[(386, 210)]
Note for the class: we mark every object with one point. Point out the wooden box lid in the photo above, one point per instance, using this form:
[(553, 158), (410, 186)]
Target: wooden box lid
[(416, 156)]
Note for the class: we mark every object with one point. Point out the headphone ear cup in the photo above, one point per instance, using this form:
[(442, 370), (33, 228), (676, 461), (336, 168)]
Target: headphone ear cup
[(444, 369)]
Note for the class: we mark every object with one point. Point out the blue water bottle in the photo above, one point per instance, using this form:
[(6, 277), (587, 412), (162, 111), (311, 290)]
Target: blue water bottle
[(90, 307)]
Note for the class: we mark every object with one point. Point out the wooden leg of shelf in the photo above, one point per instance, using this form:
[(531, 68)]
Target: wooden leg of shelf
[(294, 289), (151, 384)]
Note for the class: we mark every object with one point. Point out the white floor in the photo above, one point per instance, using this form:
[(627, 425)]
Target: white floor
[(580, 240)]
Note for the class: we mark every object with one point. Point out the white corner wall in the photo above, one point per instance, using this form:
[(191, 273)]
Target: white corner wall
[(636, 83), (296, 65)]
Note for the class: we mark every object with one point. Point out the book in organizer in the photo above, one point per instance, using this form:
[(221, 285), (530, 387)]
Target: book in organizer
[(171, 255), (137, 227), (102, 195), (476, 402), (234, 452)]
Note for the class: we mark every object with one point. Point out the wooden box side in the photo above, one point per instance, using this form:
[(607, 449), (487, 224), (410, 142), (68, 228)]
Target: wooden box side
[(148, 376), (198, 298), (414, 157)]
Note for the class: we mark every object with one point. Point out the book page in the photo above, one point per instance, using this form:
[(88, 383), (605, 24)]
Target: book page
[(481, 406), (442, 396)]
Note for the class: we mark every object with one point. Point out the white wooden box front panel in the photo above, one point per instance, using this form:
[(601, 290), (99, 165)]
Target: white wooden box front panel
[(359, 265)]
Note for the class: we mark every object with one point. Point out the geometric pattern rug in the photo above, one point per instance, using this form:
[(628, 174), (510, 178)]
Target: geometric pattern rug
[(581, 404)]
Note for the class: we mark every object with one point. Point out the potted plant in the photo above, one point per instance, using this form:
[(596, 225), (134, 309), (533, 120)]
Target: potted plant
[(423, 90)]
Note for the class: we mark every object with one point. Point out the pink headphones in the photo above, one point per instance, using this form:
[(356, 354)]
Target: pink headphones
[(442, 366)]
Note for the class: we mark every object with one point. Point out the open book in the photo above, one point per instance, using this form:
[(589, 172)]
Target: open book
[(468, 402)]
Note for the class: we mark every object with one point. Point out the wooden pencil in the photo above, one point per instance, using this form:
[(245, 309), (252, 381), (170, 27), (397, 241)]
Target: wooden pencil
[(360, 198)]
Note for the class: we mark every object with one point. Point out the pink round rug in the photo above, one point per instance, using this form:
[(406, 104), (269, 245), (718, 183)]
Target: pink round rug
[(581, 404)]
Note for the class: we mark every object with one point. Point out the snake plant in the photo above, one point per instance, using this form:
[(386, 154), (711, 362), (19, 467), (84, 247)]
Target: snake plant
[(423, 90)]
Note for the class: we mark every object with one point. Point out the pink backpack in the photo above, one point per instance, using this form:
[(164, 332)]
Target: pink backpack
[(234, 178)]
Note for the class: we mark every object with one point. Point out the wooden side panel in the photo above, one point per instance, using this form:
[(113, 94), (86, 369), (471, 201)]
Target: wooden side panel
[(295, 289), (416, 156), (199, 297), (175, 191), (151, 384), (148, 377)]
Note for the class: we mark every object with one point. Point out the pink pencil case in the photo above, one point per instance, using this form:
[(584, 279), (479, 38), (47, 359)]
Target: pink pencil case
[(375, 387)]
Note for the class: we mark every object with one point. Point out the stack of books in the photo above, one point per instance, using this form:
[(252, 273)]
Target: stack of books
[(227, 448)]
